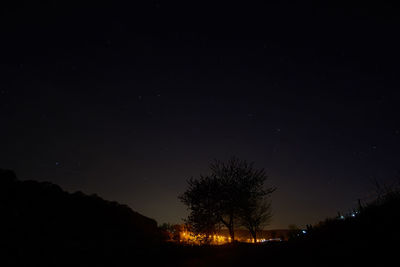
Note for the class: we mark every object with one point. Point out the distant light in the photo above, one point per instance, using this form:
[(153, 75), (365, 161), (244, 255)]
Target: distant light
[(304, 232)]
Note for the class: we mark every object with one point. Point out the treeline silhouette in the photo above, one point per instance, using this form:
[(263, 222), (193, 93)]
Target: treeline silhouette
[(44, 225)]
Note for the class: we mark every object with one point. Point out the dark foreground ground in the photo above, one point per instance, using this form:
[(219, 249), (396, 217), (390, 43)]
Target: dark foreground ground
[(284, 254), (229, 255)]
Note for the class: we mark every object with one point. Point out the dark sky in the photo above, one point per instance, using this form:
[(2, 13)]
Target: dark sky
[(128, 101)]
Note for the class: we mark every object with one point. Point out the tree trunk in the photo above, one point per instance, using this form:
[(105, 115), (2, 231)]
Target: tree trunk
[(254, 235), (231, 229), (232, 234)]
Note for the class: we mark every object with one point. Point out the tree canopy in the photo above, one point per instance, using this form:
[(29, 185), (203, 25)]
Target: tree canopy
[(233, 194)]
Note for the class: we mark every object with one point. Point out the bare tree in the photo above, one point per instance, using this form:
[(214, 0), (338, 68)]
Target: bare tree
[(200, 200), (233, 194), (256, 216)]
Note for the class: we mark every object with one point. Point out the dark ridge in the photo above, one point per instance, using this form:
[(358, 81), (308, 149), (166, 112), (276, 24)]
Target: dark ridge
[(44, 224)]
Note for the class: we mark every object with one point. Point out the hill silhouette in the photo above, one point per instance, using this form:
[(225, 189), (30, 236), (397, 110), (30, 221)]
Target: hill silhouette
[(44, 225)]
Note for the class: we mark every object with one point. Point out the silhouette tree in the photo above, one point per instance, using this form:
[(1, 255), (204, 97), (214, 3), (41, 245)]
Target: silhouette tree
[(233, 193), (171, 231), (256, 216), (200, 197)]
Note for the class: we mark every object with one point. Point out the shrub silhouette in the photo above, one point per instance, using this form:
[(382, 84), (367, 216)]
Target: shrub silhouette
[(368, 235)]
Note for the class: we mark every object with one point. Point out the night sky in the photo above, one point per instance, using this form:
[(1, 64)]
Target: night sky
[(128, 101)]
